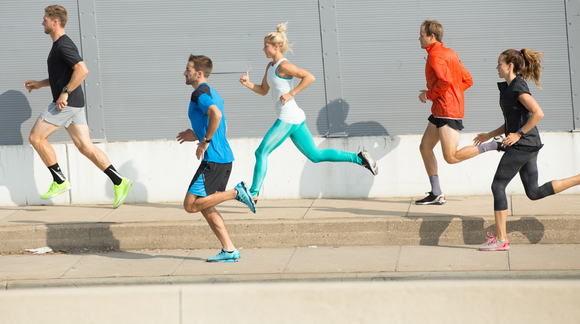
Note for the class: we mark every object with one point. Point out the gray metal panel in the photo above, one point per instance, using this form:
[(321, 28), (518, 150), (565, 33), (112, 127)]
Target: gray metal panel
[(144, 46), (331, 57), (23, 57), (90, 53), (382, 64), (573, 25)]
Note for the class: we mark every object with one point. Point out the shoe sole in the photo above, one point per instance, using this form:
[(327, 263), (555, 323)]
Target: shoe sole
[(503, 249), (431, 203), (125, 193), (498, 249), (247, 192), (56, 194), (374, 169), (228, 260)]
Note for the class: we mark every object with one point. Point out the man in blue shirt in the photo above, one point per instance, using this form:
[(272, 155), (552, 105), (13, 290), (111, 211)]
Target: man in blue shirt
[(207, 188)]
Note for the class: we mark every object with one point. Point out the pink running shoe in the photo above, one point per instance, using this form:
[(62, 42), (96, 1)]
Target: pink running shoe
[(493, 244)]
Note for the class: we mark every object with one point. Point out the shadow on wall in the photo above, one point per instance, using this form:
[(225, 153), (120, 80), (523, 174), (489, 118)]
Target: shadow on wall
[(15, 110), (138, 192), (308, 189)]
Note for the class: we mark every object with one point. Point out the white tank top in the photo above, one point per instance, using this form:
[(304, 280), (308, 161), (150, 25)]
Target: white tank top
[(290, 112)]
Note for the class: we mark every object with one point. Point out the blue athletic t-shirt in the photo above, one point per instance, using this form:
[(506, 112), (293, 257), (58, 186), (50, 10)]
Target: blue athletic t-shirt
[(202, 98)]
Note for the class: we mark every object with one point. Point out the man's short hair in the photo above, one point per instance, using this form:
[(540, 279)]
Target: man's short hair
[(433, 27), (57, 12), (202, 63)]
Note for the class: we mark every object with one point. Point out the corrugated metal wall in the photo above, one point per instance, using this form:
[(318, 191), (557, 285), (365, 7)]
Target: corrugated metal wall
[(383, 64), (144, 55), (23, 56), (143, 48)]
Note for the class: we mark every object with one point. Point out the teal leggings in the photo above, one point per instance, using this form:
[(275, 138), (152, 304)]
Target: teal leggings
[(302, 139)]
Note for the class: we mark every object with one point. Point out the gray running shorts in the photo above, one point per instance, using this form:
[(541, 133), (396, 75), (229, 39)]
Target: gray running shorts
[(69, 115)]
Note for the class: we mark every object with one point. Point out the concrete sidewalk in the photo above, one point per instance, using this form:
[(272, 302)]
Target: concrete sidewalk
[(290, 223), (321, 263)]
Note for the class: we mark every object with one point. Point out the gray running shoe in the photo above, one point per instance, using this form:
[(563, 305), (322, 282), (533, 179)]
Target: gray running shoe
[(493, 244), (368, 162)]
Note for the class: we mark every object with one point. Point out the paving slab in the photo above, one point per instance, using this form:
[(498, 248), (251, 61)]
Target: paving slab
[(267, 209), (47, 266), (127, 264), (326, 263), (455, 206), (545, 257), (340, 259), (56, 215), (151, 213), (5, 212), (564, 205), (253, 261), (450, 258), (342, 208)]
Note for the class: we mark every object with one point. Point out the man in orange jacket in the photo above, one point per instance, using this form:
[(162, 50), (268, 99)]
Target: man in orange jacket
[(447, 79)]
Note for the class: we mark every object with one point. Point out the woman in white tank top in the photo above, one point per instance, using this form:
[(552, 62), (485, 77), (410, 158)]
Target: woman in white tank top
[(291, 119)]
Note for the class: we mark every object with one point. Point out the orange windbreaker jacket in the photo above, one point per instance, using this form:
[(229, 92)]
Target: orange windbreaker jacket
[(447, 78)]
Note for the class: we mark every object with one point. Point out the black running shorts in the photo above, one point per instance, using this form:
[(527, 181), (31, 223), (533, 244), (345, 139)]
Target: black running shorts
[(210, 178), (453, 123)]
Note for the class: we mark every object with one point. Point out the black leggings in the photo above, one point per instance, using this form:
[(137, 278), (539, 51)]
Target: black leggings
[(512, 162)]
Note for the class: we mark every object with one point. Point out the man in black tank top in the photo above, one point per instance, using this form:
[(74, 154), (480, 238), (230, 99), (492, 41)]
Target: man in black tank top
[(66, 72)]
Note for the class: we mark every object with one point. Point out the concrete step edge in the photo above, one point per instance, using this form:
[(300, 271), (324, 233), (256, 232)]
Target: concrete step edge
[(306, 277), (284, 233)]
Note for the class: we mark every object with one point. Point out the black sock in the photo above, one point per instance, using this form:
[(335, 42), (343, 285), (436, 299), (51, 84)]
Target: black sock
[(114, 175), (56, 173)]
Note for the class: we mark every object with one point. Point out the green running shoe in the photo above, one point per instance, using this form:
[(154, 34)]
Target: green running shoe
[(121, 192), (56, 189)]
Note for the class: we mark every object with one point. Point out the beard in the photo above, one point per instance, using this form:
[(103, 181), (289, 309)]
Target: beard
[(47, 30), (190, 81)]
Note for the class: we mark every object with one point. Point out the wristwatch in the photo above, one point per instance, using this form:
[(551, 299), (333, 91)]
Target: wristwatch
[(205, 140), (521, 132), (65, 90)]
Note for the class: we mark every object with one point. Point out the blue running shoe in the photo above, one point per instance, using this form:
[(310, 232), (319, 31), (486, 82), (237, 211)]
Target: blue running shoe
[(225, 256), (245, 197)]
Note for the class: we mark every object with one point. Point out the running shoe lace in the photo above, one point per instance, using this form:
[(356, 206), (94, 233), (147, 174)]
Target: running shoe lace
[(491, 238)]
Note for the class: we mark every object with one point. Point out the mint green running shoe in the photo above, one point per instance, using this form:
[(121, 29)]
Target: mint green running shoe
[(121, 192), (56, 189), (225, 256)]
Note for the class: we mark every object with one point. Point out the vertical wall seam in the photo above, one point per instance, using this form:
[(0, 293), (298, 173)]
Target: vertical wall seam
[(331, 68), (569, 13), (90, 55)]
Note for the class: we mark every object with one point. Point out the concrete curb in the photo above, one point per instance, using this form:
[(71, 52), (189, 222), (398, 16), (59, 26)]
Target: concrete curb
[(445, 301), (431, 230), (307, 277)]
